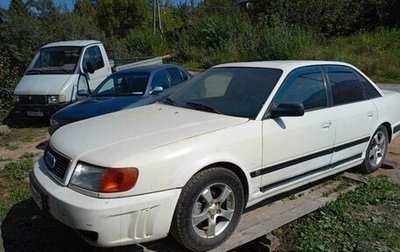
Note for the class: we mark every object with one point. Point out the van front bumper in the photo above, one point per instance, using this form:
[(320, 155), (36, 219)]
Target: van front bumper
[(105, 222), (38, 110)]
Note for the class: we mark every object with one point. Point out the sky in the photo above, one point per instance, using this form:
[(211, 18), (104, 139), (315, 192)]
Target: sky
[(70, 3)]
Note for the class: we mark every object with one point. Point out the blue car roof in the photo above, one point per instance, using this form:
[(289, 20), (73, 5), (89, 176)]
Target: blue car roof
[(149, 68)]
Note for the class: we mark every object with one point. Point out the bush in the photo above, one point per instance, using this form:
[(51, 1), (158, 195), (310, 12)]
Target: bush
[(8, 81), (144, 42)]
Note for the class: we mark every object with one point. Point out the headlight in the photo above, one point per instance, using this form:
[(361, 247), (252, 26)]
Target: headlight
[(16, 99), (54, 99), (104, 180)]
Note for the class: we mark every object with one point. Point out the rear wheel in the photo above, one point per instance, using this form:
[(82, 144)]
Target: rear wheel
[(208, 210), (376, 151)]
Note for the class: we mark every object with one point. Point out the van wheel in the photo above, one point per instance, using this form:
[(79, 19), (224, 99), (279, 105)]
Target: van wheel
[(208, 209), (376, 151)]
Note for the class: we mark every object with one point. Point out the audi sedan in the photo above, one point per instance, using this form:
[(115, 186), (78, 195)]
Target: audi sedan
[(227, 139)]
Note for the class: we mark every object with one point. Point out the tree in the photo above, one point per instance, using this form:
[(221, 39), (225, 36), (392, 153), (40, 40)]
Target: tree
[(119, 17), (18, 8)]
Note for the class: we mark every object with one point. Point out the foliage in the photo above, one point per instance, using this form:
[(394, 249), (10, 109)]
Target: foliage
[(118, 17), (327, 18), (14, 186), (143, 42), (8, 80), (375, 53), (19, 170), (365, 220)]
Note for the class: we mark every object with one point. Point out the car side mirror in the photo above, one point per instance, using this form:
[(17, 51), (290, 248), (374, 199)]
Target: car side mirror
[(89, 68), (83, 86), (287, 109), (84, 93), (156, 90)]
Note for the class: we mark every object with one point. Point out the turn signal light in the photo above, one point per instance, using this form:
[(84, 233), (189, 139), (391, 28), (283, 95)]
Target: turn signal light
[(119, 179)]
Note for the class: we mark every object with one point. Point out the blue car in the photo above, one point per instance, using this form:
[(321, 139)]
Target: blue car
[(122, 90)]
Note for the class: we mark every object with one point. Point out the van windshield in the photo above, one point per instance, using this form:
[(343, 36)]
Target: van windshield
[(55, 60)]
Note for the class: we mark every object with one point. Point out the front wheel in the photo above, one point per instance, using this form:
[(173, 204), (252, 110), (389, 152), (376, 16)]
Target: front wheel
[(208, 210), (376, 151)]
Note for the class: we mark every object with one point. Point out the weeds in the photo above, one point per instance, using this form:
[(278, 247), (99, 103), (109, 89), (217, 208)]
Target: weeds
[(14, 185)]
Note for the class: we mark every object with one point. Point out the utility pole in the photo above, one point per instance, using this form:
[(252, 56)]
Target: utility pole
[(157, 16)]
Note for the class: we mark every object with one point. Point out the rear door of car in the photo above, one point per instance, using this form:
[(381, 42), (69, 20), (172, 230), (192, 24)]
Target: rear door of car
[(296, 147), (355, 113)]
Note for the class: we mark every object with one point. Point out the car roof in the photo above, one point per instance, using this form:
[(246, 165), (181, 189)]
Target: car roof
[(72, 43), (286, 65), (149, 68)]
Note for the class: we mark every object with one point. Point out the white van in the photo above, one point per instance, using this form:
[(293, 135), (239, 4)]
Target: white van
[(58, 74)]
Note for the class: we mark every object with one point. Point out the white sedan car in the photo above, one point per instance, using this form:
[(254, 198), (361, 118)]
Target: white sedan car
[(229, 138)]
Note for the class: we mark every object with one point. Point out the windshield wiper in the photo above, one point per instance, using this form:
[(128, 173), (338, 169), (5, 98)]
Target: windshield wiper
[(35, 71), (63, 69), (204, 107), (170, 101)]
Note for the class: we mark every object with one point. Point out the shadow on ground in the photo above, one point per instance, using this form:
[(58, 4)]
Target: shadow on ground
[(26, 228), (18, 120)]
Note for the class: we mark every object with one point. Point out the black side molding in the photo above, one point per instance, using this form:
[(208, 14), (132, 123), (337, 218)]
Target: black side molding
[(321, 169), (286, 164)]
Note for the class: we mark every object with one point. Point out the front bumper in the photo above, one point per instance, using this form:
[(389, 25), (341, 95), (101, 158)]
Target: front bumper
[(40, 109), (107, 222)]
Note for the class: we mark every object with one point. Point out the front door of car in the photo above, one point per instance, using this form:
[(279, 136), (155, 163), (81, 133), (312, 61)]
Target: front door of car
[(356, 115), (294, 147)]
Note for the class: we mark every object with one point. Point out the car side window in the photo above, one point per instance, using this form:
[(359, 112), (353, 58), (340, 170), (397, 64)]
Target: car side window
[(160, 79), (184, 75), (176, 76), (93, 55), (345, 86), (304, 85), (370, 91)]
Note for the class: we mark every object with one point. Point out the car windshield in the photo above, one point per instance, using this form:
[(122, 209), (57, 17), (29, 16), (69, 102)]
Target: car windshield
[(123, 84), (234, 91), (55, 60)]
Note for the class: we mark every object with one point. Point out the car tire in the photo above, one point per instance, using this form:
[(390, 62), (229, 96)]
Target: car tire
[(376, 151), (208, 209)]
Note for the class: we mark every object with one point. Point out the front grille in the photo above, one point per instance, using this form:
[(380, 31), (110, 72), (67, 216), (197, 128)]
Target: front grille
[(32, 99), (55, 162)]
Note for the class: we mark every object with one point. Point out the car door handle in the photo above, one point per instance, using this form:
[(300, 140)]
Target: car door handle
[(326, 124), (370, 114)]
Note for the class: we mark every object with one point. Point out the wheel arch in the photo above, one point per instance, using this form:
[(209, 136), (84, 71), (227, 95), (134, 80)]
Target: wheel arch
[(238, 171), (388, 127)]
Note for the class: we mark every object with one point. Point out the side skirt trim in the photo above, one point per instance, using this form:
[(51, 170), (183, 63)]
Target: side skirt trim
[(306, 174)]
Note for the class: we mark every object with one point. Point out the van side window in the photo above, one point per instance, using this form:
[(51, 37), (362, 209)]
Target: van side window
[(93, 55), (344, 85)]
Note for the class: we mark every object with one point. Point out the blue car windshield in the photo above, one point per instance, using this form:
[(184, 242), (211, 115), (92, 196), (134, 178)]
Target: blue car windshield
[(121, 84)]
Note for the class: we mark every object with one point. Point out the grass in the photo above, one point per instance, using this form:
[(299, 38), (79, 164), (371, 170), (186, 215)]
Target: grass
[(11, 140), (14, 185), (365, 220), (377, 53)]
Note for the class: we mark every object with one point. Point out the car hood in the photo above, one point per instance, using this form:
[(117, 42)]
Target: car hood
[(94, 107), (107, 139), (42, 84)]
